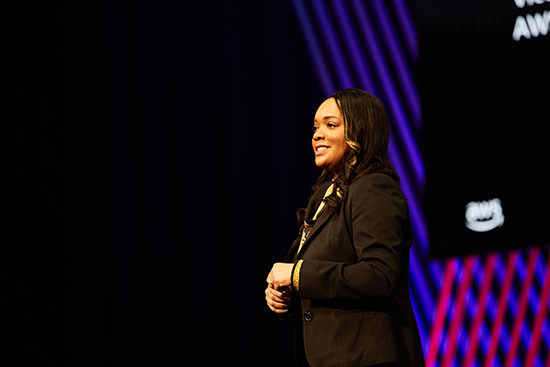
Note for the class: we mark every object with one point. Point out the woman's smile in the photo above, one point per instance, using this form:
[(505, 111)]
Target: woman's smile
[(320, 149)]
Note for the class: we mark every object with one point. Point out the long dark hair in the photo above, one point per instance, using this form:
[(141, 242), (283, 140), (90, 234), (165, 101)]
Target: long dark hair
[(367, 133)]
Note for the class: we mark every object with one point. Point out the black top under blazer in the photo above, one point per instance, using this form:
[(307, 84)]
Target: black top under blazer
[(353, 305)]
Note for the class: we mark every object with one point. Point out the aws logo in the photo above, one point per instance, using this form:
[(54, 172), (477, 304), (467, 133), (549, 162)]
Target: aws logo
[(483, 216)]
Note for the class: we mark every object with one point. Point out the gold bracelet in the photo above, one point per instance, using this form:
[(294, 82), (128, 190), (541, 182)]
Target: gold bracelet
[(296, 275)]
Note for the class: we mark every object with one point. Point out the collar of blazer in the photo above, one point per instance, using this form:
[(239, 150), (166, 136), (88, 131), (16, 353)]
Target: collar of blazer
[(323, 217), (313, 204)]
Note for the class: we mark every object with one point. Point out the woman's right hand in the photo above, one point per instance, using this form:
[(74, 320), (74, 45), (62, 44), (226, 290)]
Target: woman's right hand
[(277, 301)]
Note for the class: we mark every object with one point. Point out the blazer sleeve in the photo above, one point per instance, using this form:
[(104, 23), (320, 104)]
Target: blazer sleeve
[(378, 213)]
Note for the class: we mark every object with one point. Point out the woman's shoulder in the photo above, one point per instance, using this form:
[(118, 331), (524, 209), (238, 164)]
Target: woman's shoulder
[(377, 190), (373, 181)]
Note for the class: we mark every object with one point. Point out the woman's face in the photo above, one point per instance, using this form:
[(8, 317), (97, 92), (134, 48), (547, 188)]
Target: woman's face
[(328, 140)]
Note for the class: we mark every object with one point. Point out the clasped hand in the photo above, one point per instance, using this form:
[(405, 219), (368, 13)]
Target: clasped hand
[(277, 293)]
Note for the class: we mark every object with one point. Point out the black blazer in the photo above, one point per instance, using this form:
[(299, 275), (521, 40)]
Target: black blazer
[(354, 306)]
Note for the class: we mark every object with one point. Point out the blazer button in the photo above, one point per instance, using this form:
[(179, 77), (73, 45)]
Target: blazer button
[(308, 316)]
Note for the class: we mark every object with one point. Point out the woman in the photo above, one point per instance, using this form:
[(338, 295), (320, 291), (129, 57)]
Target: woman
[(345, 279)]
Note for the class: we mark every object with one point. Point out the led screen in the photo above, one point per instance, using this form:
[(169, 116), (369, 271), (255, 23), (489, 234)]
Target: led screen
[(484, 78)]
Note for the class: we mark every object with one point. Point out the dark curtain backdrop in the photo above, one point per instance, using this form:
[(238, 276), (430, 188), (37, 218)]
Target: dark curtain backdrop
[(171, 162)]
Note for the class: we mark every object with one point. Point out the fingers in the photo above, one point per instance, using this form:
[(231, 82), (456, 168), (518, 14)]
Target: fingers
[(276, 301), (277, 291), (277, 310), (277, 296)]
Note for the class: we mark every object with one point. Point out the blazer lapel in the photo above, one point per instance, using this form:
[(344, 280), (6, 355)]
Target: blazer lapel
[(311, 208), (293, 248), (325, 215)]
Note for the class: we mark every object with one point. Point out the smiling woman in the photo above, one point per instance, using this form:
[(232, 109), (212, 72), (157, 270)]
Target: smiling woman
[(328, 140), (344, 281)]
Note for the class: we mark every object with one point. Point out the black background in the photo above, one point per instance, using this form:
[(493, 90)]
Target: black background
[(485, 117), (163, 149)]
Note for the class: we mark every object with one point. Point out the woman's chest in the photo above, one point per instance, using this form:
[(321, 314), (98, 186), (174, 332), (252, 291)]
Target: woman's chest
[(333, 241)]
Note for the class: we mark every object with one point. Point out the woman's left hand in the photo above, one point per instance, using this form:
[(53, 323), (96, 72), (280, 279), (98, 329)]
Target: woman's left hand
[(277, 301), (280, 275)]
